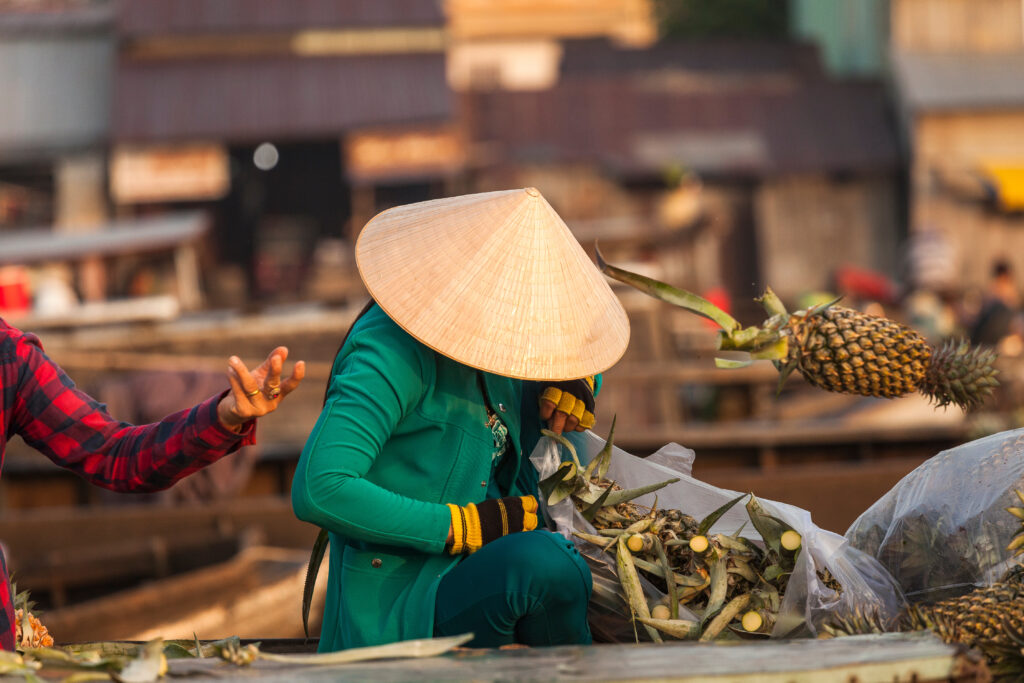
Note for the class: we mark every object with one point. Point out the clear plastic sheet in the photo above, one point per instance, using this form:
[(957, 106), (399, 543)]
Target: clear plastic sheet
[(807, 601), (943, 529)]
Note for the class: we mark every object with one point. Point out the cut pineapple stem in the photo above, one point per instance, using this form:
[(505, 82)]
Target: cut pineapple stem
[(772, 303)]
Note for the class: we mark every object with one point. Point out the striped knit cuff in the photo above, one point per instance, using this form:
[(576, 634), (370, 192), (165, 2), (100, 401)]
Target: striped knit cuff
[(474, 529), (459, 531)]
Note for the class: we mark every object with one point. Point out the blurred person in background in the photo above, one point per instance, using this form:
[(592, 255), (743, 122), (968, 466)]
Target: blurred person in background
[(999, 316), (484, 308), (43, 406)]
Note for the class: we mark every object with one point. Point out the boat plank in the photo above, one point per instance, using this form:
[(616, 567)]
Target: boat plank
[(886, 657)]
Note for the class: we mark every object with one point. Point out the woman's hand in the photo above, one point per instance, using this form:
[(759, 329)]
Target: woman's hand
[(568, 406), (257, 393)]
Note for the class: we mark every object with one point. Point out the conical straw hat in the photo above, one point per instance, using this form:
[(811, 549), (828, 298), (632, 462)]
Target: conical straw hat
[(495, 281)]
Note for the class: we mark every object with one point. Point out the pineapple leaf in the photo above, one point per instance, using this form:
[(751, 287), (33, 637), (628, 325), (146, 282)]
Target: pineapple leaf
[(561, 492), (821, 308), (709, 521), (560, 438), (592, 510), (746, 339), (784, 372), (730, 364), (629, 494), (668, 293), (770, 528), (603, 460), (776, 350), (548, 485)]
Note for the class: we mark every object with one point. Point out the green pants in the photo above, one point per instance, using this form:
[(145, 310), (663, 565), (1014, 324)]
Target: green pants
[(530, 588)]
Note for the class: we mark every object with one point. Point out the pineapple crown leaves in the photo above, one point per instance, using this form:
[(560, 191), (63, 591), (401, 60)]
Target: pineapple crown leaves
[(960, 374), (23, 599)]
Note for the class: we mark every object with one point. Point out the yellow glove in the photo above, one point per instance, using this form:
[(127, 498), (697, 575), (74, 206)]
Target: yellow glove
[(475, 525), (574, 397)]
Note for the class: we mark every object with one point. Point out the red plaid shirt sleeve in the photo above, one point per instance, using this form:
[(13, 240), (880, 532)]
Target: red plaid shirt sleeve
[(41, 403), (78, 433)]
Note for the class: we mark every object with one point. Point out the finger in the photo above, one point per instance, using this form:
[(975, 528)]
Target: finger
[(237, 392), (250, 388), (547, 408), (568, 403), (292, 383), (275, 364), (572, 423), (557, 423)]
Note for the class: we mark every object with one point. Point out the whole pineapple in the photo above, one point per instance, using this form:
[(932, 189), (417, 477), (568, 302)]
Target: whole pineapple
[(840, 349), (984, 617), (990, 619), (843, 350)]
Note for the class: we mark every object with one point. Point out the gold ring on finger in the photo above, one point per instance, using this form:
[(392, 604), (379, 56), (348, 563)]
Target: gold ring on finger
[(273, 392), (252, 393)]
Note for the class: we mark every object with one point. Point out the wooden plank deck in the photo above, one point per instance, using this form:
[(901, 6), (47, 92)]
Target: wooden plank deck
[(893, 657)]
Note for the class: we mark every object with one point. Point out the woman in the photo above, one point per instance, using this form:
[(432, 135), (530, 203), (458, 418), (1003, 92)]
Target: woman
[(483, 305)]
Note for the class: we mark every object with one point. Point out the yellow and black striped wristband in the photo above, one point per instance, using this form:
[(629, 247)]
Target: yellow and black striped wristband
[(459, 530)]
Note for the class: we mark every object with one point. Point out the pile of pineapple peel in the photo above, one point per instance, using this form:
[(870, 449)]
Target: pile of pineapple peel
[(711, 586)]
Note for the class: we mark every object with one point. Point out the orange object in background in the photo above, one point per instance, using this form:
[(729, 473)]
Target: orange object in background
[(14, 290)]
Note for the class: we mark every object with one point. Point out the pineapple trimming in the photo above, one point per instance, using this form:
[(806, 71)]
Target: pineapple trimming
[(840, 349)]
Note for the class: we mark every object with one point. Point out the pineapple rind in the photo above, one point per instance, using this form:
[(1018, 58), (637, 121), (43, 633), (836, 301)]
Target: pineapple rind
[(843, 350)]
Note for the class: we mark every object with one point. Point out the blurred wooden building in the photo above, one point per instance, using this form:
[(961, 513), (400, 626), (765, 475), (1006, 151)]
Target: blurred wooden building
[(731, 164), (958, 68)]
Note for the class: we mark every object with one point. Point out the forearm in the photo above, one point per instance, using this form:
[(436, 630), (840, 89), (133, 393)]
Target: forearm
[(123, 457), (359, 509)]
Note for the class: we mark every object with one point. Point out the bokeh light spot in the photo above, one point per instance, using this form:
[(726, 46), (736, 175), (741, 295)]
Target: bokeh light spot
[(265, 157)]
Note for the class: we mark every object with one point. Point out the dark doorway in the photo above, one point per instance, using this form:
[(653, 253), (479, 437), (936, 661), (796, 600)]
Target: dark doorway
[(283, 200)]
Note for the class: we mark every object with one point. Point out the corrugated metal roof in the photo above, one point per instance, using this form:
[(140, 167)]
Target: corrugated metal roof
[(275, 97), (34, 245), (712, 56), (137, 18), (960, 81), (637, 124)]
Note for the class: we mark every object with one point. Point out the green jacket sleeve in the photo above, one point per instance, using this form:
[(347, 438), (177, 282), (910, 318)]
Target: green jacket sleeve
[(378, 378)]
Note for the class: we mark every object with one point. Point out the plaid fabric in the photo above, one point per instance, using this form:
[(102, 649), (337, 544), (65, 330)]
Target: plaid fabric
[(6, 609), (41, 404)]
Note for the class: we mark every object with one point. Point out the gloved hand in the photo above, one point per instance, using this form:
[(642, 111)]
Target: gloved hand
[(568, 405), (475, 525)]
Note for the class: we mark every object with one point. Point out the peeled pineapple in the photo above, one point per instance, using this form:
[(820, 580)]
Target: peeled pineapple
[(28, 630)]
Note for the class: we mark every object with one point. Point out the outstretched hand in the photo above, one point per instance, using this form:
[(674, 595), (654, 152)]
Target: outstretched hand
[(257, 393)]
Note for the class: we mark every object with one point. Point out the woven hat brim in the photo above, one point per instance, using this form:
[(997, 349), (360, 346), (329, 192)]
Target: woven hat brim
[(495, 281)]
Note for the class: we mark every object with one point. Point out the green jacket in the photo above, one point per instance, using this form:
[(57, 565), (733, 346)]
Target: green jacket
[(402, 433)]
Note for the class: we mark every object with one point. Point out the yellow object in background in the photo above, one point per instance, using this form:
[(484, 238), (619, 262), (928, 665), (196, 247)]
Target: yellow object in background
[(1008, 179)]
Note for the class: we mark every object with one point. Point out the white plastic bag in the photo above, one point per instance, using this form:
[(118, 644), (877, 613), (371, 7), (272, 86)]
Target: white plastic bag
[(943, 529), (807, 601)]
